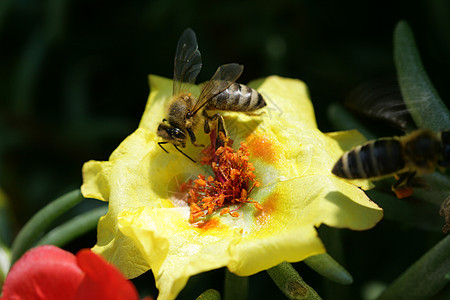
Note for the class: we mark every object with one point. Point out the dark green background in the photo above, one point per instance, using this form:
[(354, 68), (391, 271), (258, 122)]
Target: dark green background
[(73, 85)]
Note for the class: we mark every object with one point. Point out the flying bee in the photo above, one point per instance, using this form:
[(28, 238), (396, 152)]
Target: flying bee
[(418, 153), (186, 113)]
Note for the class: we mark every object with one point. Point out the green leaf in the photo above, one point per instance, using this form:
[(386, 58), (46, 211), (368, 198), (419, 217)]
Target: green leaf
[(210, 294), (421, 98), (40, 222), (74, 228), (326, 266), (236, 287), (425, 277), (290, 283)]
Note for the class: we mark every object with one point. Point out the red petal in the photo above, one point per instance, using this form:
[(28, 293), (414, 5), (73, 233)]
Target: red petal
[(45, 272), (102, 280)]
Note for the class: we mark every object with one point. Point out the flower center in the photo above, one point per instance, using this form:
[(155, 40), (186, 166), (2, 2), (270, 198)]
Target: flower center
[(233, 180)]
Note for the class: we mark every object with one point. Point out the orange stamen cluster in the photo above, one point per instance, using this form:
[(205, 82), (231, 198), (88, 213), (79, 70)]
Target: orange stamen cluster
[(233, 174)]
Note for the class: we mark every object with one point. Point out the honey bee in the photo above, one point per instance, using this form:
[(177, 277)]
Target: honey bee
[(185, 112), (417, 153)]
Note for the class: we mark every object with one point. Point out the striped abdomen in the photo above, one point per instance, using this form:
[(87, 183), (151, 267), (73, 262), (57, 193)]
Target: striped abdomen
[(237, 97), (374, 159)]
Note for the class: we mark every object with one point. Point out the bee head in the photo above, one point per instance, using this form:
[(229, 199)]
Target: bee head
[(172, 134)]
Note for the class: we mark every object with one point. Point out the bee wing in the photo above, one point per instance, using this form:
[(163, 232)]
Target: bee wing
[(225, 76), (188, 62), (380, 100)]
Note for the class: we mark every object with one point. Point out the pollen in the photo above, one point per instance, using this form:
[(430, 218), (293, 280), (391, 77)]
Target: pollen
[(232, 183), (403, 192)]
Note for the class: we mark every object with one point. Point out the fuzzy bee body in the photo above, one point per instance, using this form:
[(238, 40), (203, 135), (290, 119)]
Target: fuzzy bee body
[(374, 159), (237, 97), (185, 112), (417, 153)]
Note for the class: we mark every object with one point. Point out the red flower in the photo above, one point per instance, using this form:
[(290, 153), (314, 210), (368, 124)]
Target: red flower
[(48, 272)]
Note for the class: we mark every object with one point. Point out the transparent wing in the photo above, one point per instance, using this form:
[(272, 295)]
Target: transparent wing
[(221, 80), (380, 100), (188, 62)]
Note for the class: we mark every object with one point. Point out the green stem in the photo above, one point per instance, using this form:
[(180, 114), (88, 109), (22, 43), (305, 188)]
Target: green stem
[(210, 294), (61, 235), (326, 266), (421, 98), (236, 287), (290, 282), (40, 222), (425, 277)]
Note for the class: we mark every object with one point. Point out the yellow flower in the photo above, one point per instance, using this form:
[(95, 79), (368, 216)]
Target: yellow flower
[(147, 225)]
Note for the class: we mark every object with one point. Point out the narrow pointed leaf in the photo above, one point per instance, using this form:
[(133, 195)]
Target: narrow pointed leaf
[(290, 283), (236, 287), (210, 294), (425, 278), (40, 222), (73, 228), (421, 98), (326, 266)]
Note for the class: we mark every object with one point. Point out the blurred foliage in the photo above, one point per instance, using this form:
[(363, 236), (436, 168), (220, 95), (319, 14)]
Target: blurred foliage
[(73, 84)]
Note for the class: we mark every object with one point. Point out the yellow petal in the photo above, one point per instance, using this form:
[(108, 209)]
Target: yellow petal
[(175, 248), (147, 223), (286, 98)]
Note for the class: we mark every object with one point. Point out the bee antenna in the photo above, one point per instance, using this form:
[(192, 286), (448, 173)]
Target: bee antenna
[(160, 144), (184, 153)]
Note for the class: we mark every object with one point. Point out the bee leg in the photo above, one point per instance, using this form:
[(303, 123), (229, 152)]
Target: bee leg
[(220, 123), (207, 129), (207, 119), (222, 135), (404, 179), (193, 138), (407, 181), (402, 188), (410, 180)]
